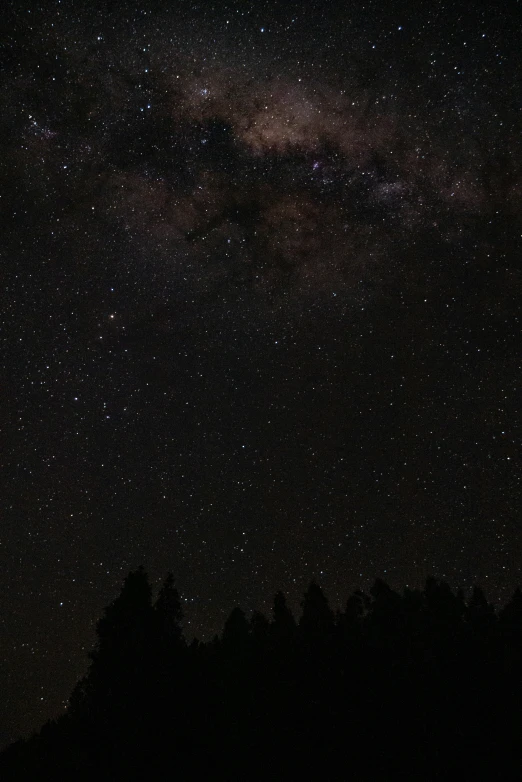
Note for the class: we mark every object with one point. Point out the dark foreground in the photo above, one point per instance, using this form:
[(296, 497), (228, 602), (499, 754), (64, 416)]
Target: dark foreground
[(419, 686)]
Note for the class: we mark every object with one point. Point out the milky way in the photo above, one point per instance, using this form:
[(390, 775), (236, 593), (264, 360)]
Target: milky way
[(261, 274), (225, 165)]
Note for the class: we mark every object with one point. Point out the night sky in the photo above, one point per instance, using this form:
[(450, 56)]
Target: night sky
[(260, 284)]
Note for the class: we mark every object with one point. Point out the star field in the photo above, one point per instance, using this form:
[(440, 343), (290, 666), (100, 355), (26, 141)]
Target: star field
[(260, 311)]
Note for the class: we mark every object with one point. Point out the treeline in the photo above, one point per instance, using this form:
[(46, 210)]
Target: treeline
[(420, 685)]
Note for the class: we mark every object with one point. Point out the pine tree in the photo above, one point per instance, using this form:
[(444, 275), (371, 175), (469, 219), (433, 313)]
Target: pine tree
[(168, 614), (115, 682), (479, 613), (283, 622), (236, 633), (317, 620), (511, 615), (259, 630)]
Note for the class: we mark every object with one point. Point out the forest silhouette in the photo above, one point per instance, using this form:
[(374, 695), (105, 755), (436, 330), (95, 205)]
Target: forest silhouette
[(421, 685)]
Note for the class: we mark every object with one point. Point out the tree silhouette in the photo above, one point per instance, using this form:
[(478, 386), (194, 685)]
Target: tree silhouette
[(317, 619), (168, 613), (283, 622), (259, 630), (510, 625), (479, 613), (120, 655), (418, 685), (112, 703), (236, 633)]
